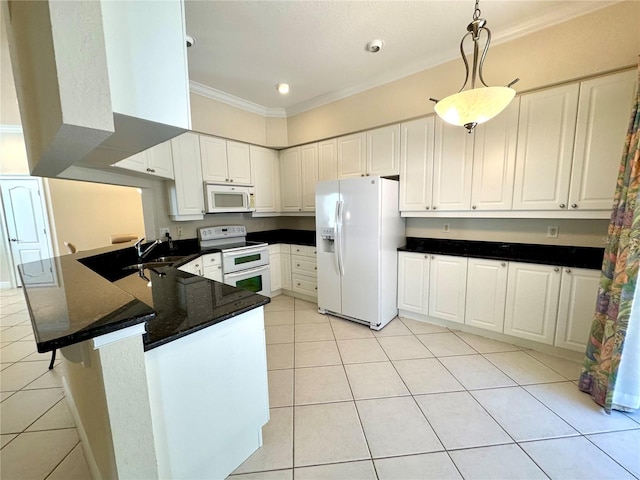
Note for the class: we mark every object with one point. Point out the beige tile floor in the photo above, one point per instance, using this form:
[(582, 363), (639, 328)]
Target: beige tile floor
[(411, 401), (39, 438)]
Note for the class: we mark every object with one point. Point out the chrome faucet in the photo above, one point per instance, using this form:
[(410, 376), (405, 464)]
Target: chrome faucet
[(145, 252)]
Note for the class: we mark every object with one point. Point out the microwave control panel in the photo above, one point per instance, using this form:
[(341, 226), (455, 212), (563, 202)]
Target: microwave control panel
[(214, 233)]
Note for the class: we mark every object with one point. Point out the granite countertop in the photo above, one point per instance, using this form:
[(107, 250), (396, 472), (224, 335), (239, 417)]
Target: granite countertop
[(565, 256), (92, 295), (293, 237)]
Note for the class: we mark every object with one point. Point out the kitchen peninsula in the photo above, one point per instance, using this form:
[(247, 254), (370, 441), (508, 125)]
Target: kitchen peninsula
[(166, 373)]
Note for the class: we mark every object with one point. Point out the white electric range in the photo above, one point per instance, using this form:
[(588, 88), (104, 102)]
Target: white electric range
[(245, 264)]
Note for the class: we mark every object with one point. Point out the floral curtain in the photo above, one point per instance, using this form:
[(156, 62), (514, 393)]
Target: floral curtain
[(618, 278)]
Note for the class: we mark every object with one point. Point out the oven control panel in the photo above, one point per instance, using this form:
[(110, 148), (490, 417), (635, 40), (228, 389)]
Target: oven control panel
[(214, 233)]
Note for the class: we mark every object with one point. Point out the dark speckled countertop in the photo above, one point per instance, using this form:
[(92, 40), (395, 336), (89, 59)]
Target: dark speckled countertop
[(92, 295)]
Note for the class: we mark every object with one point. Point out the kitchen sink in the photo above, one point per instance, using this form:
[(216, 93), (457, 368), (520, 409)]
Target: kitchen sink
[(152, 264)]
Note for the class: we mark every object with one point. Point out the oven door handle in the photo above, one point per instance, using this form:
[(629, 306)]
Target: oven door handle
[(245, 250), (247, 272)]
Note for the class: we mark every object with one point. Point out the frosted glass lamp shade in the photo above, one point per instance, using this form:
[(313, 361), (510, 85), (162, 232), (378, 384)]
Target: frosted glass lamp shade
[(475, 106)]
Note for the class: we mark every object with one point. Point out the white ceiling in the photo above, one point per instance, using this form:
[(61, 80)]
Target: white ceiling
[(243, 48)]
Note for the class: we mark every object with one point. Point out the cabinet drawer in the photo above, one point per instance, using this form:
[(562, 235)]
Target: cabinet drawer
[(304, 284), (307, 251), (303, 265), (211, 259)]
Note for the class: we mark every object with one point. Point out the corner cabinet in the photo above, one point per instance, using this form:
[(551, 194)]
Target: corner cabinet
[(309, 176), (291, 180), (186, 192)]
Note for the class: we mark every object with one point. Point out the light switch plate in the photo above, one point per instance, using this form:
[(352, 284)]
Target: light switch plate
[(552, 231)]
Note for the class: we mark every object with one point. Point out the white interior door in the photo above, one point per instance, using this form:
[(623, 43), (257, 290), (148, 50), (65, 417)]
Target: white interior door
[(28, 228)]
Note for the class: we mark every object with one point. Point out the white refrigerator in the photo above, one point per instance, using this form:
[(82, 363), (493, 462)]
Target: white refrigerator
[(358, 232)]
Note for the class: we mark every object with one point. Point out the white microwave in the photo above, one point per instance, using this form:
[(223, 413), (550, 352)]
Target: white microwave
[(228, 198)]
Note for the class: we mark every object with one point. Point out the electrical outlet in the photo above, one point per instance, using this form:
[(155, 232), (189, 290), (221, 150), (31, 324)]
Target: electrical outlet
[(552, 231), (179, 232), (164, 231), (446, 228)]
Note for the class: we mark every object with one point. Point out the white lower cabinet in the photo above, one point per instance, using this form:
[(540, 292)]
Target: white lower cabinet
[(413, 282), (275, 267), (285, 257), (532, 301), (212, 266), (304, 270), (578, 297), (486, 294), (447, 287)]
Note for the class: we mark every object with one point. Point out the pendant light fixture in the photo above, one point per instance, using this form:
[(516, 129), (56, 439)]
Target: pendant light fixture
[(476, 105)]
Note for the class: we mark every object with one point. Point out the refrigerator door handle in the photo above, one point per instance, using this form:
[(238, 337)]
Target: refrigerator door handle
[(339, 237)]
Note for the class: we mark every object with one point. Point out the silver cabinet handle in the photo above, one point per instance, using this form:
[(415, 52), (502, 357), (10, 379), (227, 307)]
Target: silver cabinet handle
[(556, 269), (474, 207), (503, 264), (568, 270), (231, 180), (426, 256), (362, 174), (434, 207), (226, 179), (562, 205), (150, 170), (427, 207), (433, 256), (574, 205)]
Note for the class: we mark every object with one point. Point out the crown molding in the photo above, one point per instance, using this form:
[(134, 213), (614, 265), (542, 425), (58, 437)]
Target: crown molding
[(226, 98), (10, 128)]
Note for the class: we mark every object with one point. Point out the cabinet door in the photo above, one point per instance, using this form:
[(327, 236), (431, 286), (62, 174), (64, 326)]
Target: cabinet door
[(286, 270), (160, 160), (578, 297), (447, 287), (413, 282), (545, 146), (238, 162), (214, 159), (383, 151), (309, 156), (275, 270), (494, 160), (603, 118), (290, 180), (352, 155), (452, 167), (416, 164), (486, 294), (265, 170), (137, 162), (532, 301), (187, 190), (328, 160)]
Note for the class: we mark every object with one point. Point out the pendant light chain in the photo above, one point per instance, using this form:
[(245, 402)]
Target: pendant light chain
[(476, 12)]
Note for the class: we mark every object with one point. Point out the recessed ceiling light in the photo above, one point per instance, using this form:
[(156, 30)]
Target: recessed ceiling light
[(283, 88), (374, 46)]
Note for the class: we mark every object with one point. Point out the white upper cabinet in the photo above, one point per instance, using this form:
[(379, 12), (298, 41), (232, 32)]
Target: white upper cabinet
[(486, 294), (265, 169), (186, 193), (160, 160), (604, 109), (447, 287), (214, 159), (416, 164), (532, 301), (413, 282), (239, 162), (578, 297), (225, 161), (352, 155), (328, 160), (291, 180), (452, 170), (545, 147), (309, 172), (494, 159), (383, 151)]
